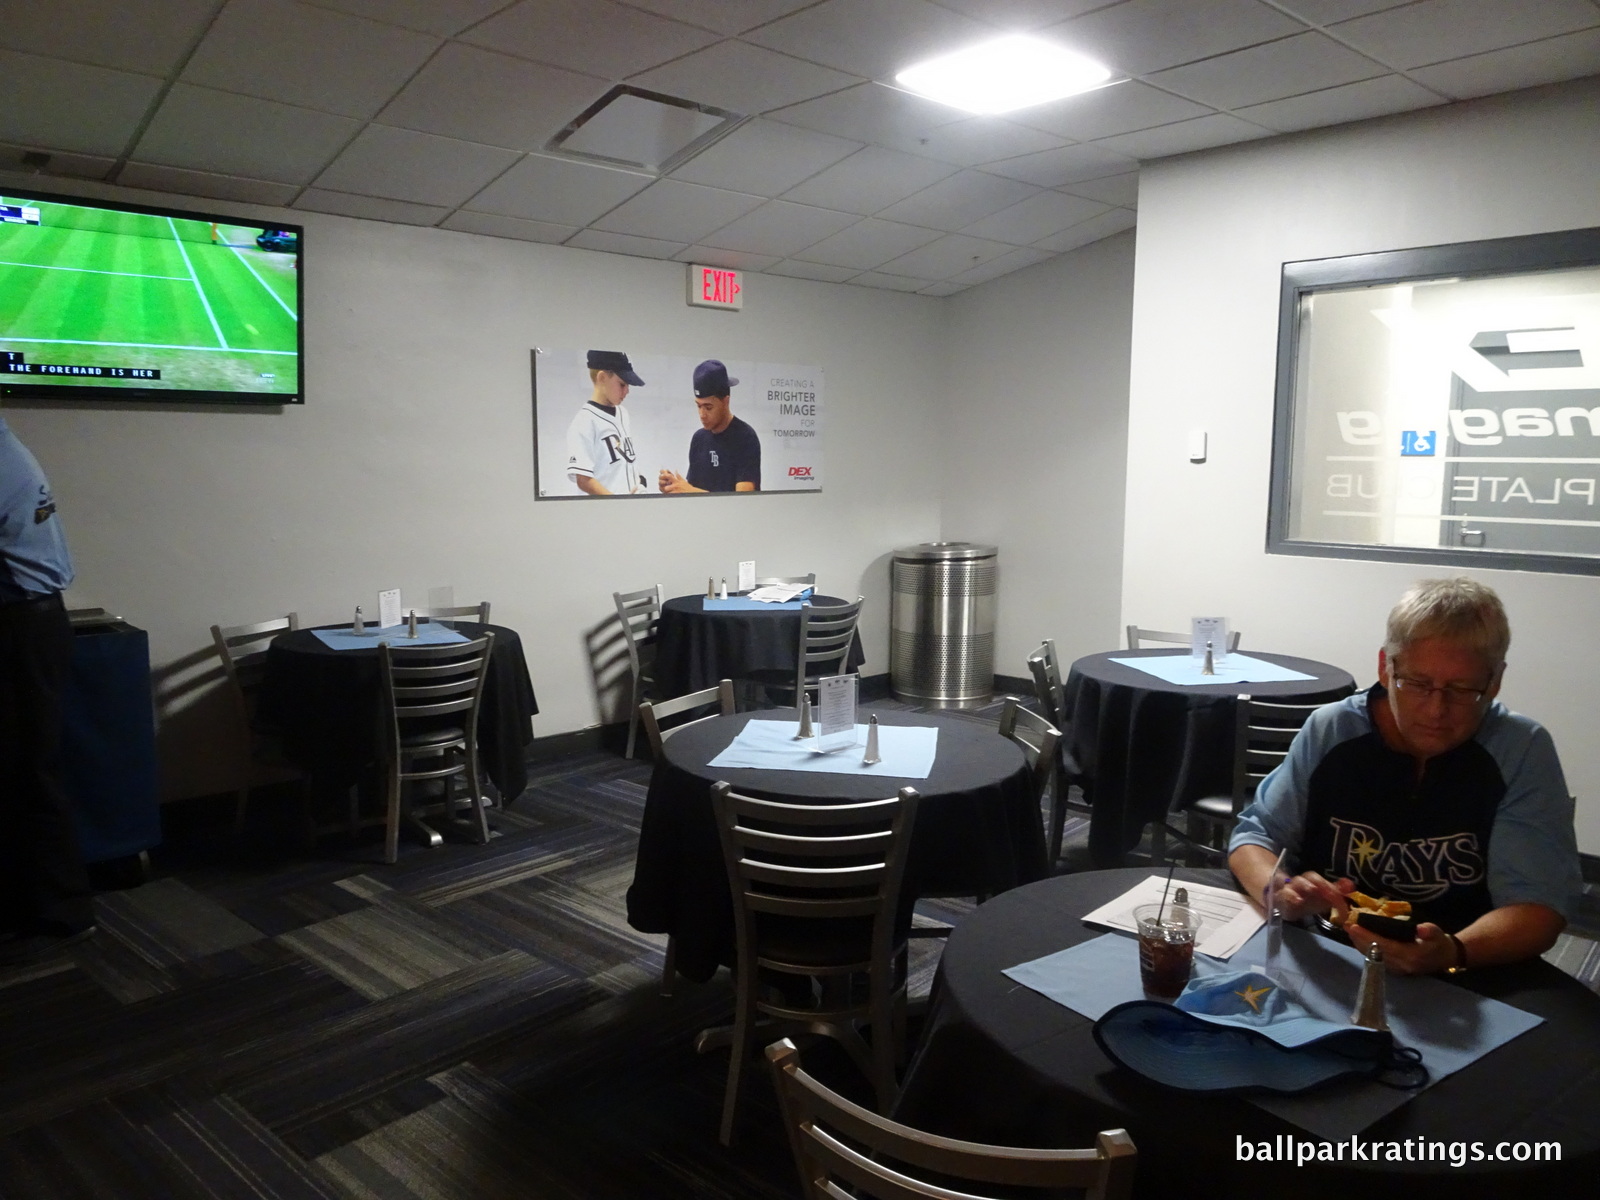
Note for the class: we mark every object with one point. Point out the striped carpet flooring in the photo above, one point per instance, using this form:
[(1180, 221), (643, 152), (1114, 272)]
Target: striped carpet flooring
[(470, 1022)]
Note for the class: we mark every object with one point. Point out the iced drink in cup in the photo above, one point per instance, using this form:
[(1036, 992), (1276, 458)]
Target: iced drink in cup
[(1166, 947)]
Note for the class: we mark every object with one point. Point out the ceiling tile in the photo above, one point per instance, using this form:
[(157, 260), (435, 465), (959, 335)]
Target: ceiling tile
[(69, 166), (370, 208), (869, 181), (870, 112), (1435, 30), (734, 260), (1036, 217), (481, 96), (780, 228), (942, 288), (1120, 108), (1004, 265), (1568, 57), (979, 140), (674, 211), (507, 227), (201, 183), (765, 158), (1146, 35), (1025, 14), (624, 243), (1088, 231), (888, 283), (1353, 102), (1070, 164), (279, 50), (725, 16), (1116, 189), (948, 256), (444, 17), (1202, 133), (401, 164), (868, 244), (145, 36), (1289, 67), (1325, 12), (558, 190), (199, 128), (593, 36), (875, 38), (743, 78), (818, 271), (958, 201), (57, 105)]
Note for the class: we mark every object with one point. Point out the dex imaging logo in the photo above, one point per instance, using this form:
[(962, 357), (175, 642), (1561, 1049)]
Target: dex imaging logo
[(1418, 443), (799, 472)]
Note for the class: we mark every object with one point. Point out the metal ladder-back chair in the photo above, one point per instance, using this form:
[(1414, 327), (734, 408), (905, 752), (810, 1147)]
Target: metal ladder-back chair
[(838, 1144), (423, 687), (478, 613), (1262, 731), (639, 614), (1044, 664), (651, 714), (816, 895), (1038, 739), (243, 651), (1137, 635), (826, 635), (809, 580)]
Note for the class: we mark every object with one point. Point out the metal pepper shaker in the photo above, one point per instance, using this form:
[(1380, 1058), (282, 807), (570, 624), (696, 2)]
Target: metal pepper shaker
[(1372, 1009)]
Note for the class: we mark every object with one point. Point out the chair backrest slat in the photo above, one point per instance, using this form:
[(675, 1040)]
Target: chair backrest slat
[(1137, 635), (456, 671), (243, 651), (639, 614), (826, 635), (1038, 739), (1262, 732)]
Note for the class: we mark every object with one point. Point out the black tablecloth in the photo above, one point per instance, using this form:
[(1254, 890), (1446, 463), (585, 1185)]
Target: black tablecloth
[(1146, 746), (324, 706), (978, 828), (1001, 1063), (696, 648)]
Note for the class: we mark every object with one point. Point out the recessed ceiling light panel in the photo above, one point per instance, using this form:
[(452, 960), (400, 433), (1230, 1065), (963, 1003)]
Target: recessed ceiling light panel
[(1004, 75)]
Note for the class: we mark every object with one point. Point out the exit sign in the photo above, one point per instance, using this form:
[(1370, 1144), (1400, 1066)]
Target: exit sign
[(716, 287)]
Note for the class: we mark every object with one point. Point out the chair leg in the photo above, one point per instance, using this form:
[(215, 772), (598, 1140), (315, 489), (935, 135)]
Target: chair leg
[(883, 1037), (391, 823), (1058, 820), (669, 966), (743, 1011), (476, 801), (633, 716)]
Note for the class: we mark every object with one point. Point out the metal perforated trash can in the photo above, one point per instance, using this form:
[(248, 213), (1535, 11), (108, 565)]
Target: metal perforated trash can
[(941, 623)]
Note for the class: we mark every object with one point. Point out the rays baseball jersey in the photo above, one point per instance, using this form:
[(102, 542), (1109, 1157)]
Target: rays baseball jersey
[(600, 446)]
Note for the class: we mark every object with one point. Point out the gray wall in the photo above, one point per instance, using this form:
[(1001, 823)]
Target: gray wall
[(1035, 444), (1213, 232), (411, 464)]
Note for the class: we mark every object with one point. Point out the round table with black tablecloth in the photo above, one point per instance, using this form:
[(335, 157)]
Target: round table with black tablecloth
[(696, 648), (323, 705), (999, 1062), (1146, 746), (978, 829)]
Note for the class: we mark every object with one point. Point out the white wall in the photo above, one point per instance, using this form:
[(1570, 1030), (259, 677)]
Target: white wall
[(1213, 231), (1035, 444), (411, 463)]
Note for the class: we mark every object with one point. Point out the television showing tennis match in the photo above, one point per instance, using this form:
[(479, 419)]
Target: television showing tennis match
[(110, 301)]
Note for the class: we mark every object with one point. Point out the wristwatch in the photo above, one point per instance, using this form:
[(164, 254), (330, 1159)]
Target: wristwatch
[(1460, 967)]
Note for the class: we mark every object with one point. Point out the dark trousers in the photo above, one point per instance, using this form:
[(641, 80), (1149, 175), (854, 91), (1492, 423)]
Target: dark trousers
[(42, 880)]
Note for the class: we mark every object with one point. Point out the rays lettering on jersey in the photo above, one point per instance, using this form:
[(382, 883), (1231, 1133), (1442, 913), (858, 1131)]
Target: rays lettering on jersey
[(619, 447), (1420, 869)]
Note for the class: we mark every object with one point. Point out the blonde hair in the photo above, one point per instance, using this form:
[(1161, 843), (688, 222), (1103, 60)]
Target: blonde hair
[(1461, 610)]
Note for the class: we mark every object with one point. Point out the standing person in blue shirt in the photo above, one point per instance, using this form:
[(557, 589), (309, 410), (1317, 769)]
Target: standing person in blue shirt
[(725, 453), (45, 899), (1426, 789)]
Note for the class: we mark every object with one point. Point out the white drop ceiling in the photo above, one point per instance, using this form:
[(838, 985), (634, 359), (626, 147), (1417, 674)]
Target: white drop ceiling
[(441, 112)]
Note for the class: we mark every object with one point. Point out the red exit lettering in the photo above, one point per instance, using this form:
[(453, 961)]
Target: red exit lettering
[(716, 287)]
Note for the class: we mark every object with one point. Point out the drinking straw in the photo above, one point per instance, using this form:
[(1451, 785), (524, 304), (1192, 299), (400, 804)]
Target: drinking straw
[(1161, 908)]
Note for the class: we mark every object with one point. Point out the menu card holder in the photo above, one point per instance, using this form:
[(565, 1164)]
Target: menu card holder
[(1212, 630), (389, 608), (837, 726), (747, 575)]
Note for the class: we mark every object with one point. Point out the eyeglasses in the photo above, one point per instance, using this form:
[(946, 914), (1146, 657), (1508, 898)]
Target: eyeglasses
[(1454, 697)]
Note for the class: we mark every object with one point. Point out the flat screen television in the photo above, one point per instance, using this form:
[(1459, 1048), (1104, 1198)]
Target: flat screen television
[(106, 301)]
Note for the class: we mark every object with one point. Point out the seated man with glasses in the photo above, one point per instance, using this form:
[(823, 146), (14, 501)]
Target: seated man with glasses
[(1425, 789)]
